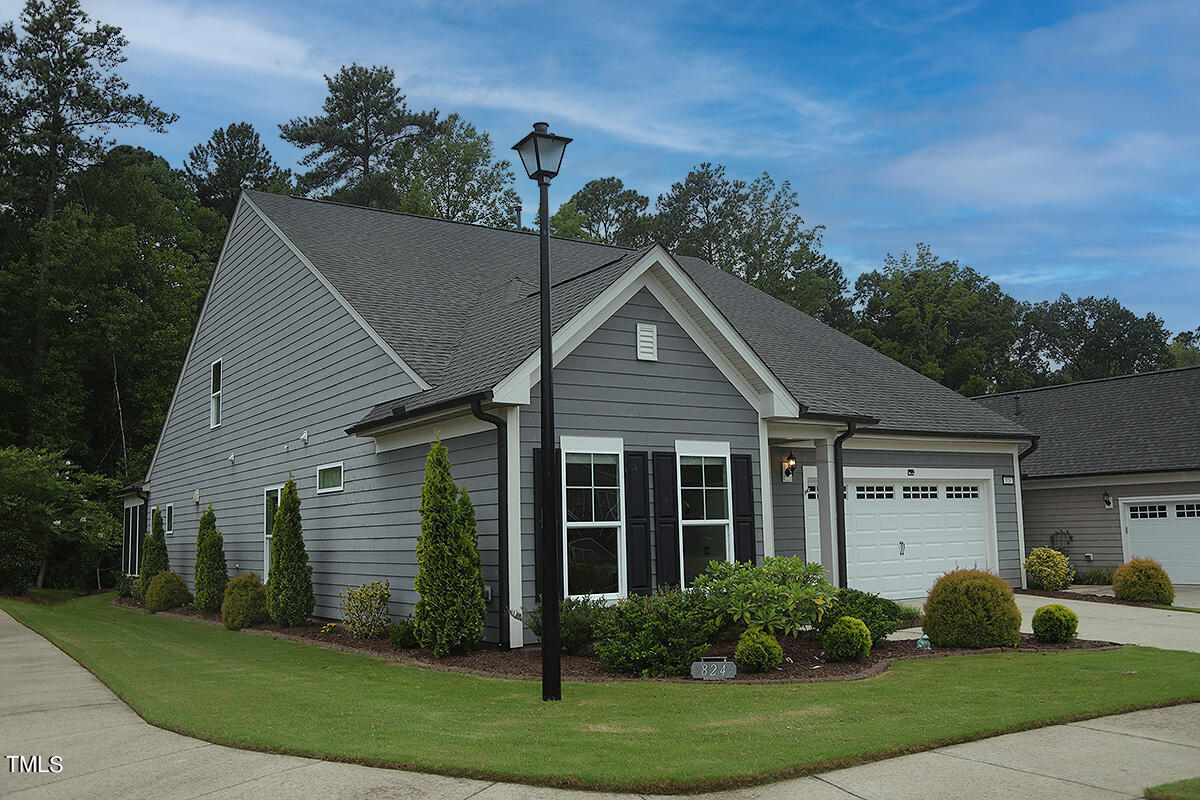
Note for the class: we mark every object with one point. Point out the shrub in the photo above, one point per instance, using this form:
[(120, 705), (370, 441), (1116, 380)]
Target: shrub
[(783, 596), (659, 635), (211, 575), (365, 608), (577, 619), (757, 651), (1055, 623), (154, 555), (450, 612), (124, 586), (166, 590), (848, 639), (972, 608), (19, 562), (1143, 580), (880, 615), (290, 597), (245, 602), (907, 613), (1096, 576), (1048, 569), (402, 633)]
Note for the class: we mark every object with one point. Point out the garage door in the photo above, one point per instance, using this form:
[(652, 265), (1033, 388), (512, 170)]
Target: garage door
[(901, 536), (1167, 530)]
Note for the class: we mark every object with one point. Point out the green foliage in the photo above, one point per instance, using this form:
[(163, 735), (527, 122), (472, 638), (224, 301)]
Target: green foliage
[(783, 596), (1096, 576), (1055, 623), (450, 612), (233, 158), (880, 615), (604, 211), (757, 651), (402, 634), (577, 621), (245, 602), (972, 608), (848, 639), (1185, 348), (124, 586), (154, 553), (1143, 580), (210, 575), (1048, 569), (290, 597), (365, 608), (166, 590), (655, 636)]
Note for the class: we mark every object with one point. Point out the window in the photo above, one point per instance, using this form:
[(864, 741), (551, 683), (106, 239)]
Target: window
[(647, 342), (812, 493), (874, 492), (214, 401), (593, 518), (919, 492), (962, 492), (705, 513), (329, 478), (1148, 512), (1187, 509), (168, 515), (270, 506)]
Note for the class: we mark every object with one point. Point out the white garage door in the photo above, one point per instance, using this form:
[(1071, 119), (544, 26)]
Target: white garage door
[(902, 535), (1165, 529)]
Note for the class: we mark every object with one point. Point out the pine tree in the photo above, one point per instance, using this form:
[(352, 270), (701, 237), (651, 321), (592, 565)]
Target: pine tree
[(211, 575), (154, 554), (450, 612), (290, 597)]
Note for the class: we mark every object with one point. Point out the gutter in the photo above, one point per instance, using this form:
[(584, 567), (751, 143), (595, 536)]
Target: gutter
[(400, 412), (1033, 445), (839, 499), (501, 510)]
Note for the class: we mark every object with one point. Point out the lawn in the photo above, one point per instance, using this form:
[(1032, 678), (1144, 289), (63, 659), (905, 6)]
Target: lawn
[(263, 693), (1179, 790)]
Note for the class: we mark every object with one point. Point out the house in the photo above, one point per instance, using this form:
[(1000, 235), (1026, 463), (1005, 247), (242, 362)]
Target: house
[(1117, 466), (697, 417)]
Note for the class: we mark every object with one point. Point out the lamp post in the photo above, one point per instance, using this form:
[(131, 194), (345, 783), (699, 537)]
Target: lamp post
[(541, 152)]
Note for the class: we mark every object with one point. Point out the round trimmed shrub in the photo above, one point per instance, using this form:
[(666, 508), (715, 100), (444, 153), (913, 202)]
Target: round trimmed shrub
[(1143, 580), (972, 608), (758, 651), (1048, 570), (1055, 623), (166, 590), (848, 639), (245, 602)]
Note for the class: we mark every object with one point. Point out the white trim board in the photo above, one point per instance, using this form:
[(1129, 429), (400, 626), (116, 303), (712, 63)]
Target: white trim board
[(447, 428), (1101, 481), (512, 421)]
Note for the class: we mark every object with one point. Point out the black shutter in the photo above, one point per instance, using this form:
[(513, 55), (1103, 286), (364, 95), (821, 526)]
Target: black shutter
[(637, 522), (537, 516), (666, 521), (743, 509)]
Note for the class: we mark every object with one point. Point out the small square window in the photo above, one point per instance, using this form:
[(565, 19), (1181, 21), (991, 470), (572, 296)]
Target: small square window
[(169, 519), (329, 478)]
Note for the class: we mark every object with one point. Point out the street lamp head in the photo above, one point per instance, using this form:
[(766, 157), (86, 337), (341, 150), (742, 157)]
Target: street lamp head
[(541, 152)]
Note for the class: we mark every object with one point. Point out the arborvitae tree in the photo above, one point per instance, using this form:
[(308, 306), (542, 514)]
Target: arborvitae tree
[(154, 554), (450, 611), (211, 575), (290, 597)]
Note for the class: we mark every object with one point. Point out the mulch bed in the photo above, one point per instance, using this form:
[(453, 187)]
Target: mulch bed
[(803, 660)]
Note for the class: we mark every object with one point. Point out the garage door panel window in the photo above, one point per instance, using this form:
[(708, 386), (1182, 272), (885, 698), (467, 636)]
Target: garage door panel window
[(962, 492), (1148, 512), (864, 492), (593, 532), (1187, 510), (920, 492)]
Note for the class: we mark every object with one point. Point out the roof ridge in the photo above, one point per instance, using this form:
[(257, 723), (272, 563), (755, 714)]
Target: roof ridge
[(1089, 380)]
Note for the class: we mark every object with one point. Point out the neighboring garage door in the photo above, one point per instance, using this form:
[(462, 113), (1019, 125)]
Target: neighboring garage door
[(901, 535), (1166, 529)]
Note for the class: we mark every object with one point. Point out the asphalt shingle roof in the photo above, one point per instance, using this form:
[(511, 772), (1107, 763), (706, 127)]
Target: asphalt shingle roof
[(1149, 422), (458, 303)]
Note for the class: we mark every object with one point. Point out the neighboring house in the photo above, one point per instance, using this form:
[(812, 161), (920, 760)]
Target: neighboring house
[(336, 341), (1117, 465)]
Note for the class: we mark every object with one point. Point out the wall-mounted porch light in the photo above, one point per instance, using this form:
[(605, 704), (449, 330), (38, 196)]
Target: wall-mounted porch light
[(1107, 500), (789, 467)]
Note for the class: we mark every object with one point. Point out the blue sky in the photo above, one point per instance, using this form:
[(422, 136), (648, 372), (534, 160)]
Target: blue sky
[(1054, 146)]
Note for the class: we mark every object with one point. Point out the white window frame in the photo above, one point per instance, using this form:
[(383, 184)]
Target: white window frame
[(267, 537), (341, 477), (168, 514), (593, 445), (215, 398), (696, 449)]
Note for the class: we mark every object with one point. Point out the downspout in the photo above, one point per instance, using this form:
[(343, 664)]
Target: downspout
[(501, 510), (1033, 445), (839, 499)]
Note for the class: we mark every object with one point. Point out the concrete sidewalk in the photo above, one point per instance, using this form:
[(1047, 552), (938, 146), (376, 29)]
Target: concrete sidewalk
[(51, 706)]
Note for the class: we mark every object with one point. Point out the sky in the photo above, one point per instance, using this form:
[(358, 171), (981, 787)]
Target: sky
[(1053, 146)]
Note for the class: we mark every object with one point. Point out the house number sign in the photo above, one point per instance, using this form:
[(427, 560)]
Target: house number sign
[(713, 670)]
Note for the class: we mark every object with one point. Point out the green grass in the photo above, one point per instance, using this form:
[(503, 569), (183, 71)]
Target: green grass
[(263, 693), (53, 595), (1179, 790)]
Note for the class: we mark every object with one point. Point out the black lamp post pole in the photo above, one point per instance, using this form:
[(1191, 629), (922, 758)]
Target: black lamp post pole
[(551, 547)]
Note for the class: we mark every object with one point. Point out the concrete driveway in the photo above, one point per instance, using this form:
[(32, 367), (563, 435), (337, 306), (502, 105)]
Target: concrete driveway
[(51, 706), (1170, 630)]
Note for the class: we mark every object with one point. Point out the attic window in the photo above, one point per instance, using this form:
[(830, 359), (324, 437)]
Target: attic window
[(647, 342)]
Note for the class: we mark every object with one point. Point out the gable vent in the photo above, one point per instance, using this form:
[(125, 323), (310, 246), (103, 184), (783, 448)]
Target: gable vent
[(647, 342)]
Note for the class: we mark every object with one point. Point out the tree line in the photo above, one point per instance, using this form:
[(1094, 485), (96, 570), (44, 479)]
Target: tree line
[(106, 250)]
